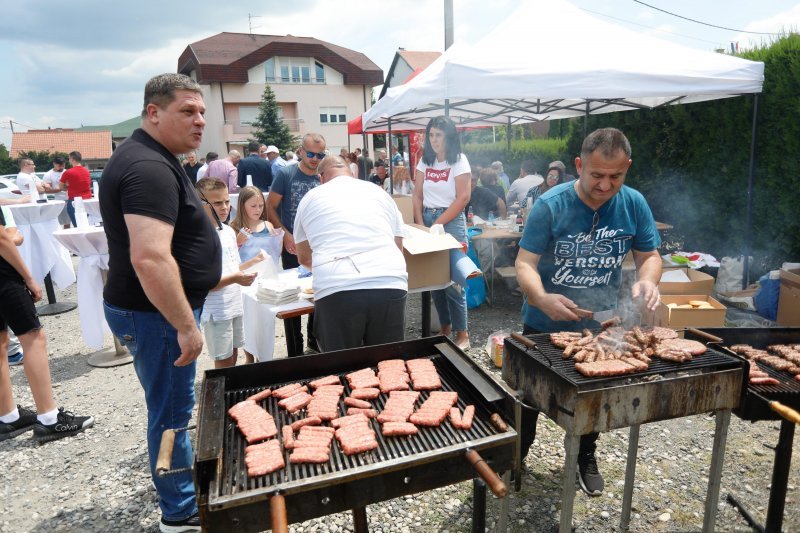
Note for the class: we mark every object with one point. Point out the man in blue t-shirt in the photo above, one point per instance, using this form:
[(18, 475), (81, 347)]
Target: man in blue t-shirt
[(571, 254)]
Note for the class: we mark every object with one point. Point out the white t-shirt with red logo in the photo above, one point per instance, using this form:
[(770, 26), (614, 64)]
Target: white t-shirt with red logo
[(439, 187)]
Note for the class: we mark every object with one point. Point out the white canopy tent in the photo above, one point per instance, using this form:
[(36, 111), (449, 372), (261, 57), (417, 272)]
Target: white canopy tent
[(551, 60)]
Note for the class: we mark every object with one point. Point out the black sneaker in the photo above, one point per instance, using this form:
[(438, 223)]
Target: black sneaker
[(177, 526), (67, 424), (589, 476), (25, 422)]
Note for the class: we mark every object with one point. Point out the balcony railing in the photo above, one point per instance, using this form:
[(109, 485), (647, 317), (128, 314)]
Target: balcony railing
[(241, 128)]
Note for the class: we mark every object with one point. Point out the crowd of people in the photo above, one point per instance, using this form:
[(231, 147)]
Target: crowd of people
[(177, 260)]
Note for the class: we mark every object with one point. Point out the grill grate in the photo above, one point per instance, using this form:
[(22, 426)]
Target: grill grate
[(788, 391), (234, 471), (552, 356)]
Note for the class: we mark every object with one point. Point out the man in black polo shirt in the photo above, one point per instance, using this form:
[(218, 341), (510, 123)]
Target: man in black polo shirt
[(253, 165), (163, 258)]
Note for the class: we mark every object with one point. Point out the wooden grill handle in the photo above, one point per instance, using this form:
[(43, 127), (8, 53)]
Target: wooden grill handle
[(525, 341), (488, 475), (164, 461), (277, 509), (702, 334), (786, 412)]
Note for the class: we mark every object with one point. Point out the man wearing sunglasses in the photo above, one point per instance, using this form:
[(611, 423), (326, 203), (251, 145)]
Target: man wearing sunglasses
[(571, 252), (290, 184)]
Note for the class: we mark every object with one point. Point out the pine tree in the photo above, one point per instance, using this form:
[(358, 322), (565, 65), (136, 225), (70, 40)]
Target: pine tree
[(268, 128)]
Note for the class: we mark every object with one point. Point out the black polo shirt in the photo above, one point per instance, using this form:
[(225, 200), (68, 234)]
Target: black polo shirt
[(143, 178)]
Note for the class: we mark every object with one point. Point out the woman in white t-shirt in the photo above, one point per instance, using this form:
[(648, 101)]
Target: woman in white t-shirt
[(442, 186)]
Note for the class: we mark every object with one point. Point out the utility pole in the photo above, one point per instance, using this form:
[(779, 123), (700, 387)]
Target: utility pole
[(11, 123), (448, 24), (448, 40)]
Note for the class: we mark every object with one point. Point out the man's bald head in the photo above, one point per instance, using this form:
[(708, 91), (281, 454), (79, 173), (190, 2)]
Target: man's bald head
[(331, 167)]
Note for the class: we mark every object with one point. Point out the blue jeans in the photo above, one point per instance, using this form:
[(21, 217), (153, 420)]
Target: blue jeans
[(451, 304), (169, 394), (71, 213)]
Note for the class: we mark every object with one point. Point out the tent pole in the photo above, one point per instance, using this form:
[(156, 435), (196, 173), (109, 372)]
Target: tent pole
[(586, 121), (750, 180), (389, 143), (508, 136)]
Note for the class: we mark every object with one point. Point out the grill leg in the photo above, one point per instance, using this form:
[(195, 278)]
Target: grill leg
[(571, 445), (360, 520), (630, 476), (715, 472), (426, 313), (780, 478), (478, 505), (502, 521)]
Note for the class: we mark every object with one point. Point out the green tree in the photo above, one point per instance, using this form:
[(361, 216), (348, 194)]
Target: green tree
[(268, 128)]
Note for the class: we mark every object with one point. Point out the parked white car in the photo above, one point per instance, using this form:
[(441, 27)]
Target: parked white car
[(8, 186)]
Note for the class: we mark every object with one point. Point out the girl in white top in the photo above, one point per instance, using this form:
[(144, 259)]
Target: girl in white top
[(442, 189)]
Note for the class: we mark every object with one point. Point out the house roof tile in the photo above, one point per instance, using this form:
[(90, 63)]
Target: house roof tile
[(91, 144), (417, 60), (226, 57)]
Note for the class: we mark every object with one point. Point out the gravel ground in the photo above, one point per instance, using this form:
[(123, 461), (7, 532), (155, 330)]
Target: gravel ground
[(98, 481)]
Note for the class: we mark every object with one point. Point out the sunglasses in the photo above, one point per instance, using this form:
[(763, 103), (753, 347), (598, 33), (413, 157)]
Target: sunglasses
[(318, 155), (595, 221), (213, 211)]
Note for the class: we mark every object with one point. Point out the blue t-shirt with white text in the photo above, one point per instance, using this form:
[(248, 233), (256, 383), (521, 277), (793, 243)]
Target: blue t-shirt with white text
[(582, 250)]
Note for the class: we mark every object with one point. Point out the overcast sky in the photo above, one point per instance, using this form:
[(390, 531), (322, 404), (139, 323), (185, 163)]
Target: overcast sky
[(67, 64)]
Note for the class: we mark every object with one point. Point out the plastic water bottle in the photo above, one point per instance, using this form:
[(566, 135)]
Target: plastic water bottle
[(491, 218), (249, 180), (81, 218)]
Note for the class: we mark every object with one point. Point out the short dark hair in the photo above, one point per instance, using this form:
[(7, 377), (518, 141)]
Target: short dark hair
[(76, 155), (608, 140), (380, 163), (451, 140), (253, 147), (529, 166), (211, 156), (160, 90), (58, 160)]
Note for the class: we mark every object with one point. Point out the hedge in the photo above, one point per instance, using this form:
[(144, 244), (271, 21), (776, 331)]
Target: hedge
[(692, 161), (542, 151)]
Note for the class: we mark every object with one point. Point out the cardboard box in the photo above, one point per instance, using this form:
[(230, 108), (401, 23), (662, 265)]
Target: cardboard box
[(699, 283), (406, 207), (789, 300), (427, 256), (689, 318)]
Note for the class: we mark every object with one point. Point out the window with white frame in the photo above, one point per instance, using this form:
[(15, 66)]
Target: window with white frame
[(294, 70), (332, 115), (247, 114)]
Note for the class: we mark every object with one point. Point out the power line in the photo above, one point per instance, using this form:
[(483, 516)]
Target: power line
[(704, 23), (650, 27)]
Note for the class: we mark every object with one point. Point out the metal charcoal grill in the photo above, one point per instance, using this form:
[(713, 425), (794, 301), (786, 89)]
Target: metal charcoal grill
[(582, 405), (755, 406), (230, 501)]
